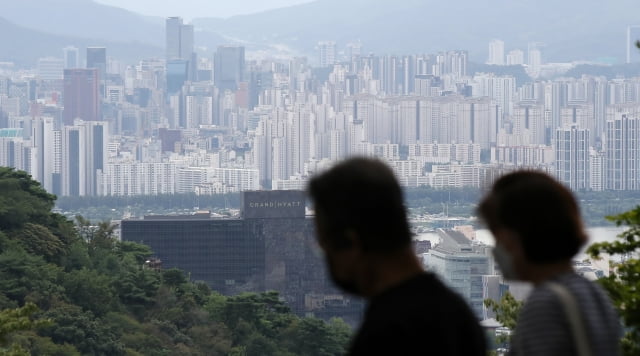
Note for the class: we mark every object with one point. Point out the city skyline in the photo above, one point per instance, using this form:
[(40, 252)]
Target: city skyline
[(266, 34), (223, 123)]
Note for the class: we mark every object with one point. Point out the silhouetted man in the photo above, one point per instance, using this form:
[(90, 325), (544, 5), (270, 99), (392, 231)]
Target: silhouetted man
[(363, 229)]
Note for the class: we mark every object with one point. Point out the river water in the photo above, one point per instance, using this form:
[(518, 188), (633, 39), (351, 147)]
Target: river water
[(596, 234)]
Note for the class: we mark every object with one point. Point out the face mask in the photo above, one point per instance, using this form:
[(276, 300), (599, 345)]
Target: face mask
[(505, 262)]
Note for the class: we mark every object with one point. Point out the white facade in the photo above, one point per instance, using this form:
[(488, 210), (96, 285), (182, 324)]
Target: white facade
[(515, 57), (623, 152), (572, 157), (496, 52), (327, 53)]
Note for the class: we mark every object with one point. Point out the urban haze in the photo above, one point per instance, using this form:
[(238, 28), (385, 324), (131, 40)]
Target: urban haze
[(170, 112)]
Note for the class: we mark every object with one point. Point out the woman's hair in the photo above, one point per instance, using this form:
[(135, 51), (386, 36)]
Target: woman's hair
[(540, 210)]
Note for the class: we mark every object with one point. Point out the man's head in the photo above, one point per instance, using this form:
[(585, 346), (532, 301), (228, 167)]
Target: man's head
[(359, 212), (535, 212)]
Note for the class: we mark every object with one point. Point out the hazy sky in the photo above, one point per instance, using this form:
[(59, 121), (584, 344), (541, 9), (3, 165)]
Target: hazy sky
[(189, 9)]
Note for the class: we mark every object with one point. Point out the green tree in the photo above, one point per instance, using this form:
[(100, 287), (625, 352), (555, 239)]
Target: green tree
[(311, 336), (22, 200), (25, 277), (81, 328), (507, 310), (18, 319), (39, 240), (623, 283), (90, 290)]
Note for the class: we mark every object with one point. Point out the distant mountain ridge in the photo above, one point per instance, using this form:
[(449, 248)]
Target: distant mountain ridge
[(570, 29), (45, 25), (24, 46), (85, 19)]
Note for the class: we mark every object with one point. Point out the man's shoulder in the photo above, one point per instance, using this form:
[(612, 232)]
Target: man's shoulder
[(419, 313), (423, 288)]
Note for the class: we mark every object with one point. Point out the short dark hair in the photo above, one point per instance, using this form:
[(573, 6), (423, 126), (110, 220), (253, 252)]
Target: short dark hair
[(542, 211), (362, 194)]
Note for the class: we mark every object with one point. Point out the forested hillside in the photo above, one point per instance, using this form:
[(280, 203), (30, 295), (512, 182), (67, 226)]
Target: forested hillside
[(72, 289)]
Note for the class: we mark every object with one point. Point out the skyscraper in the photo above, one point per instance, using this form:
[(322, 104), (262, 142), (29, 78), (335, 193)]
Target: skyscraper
[(179, 39), (71, 57), (97, 58), (228, 67), (81, 99), (179, 47)]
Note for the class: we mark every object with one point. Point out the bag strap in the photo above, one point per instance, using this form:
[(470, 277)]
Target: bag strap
[(573, 314)]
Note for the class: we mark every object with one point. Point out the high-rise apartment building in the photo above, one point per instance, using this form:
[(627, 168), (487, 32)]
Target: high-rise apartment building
[(515, 57), (17, 152), (633, 35), (572, 157), (43, 140), (527, 122), (81, 99), (84, 154), (534, 59), (327, 53), (50, 68), (354, 50), (623, 152), (496, 52)]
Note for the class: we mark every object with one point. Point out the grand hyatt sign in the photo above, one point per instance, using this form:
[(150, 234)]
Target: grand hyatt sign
[(273, 204)]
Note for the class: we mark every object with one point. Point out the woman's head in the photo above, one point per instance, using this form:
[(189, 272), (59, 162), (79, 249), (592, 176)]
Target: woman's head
[(540, 211)]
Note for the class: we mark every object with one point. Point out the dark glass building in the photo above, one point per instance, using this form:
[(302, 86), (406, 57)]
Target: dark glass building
[(177, 74), (270, 247), (228, 67), (97, 58)]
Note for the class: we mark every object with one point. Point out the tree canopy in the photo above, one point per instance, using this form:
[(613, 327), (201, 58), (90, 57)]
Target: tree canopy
[(74, 289), (623, 283)]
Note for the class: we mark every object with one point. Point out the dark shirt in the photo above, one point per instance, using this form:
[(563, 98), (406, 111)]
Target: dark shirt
[(419, 317)]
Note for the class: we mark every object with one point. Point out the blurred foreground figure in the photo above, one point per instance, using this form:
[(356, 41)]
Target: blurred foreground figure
[(537, 228), (363, 229)]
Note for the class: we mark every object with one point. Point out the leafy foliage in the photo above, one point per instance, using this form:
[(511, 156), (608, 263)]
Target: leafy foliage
[(70, 289), (507, 310), (22, 200), (623, 284)]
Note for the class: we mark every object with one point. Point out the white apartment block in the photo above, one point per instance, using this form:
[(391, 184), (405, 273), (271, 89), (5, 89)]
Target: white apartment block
[(572, 157), (623, 152)]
